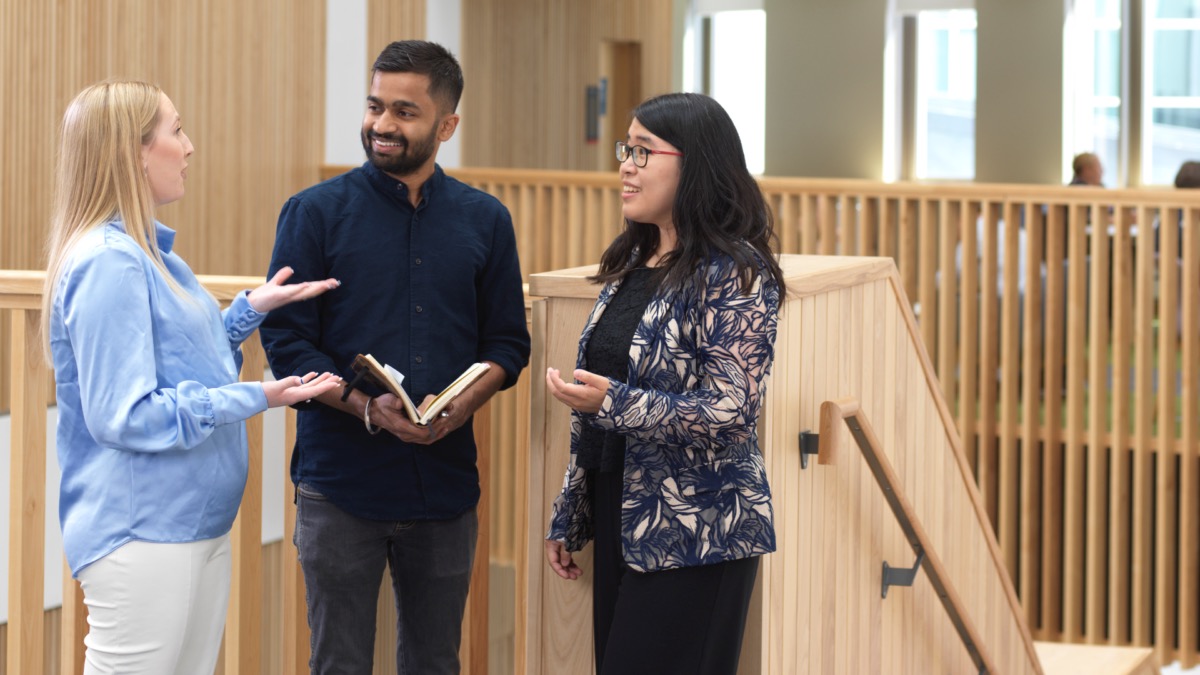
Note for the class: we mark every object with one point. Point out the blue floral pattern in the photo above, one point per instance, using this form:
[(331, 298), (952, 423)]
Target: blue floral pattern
[(695, 489)]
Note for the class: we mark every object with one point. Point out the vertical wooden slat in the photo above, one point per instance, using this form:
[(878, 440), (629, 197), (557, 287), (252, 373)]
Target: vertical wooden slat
[(1074, 476), (909, 236), (948, 317), (1189, 477), (785, 222), (1096, 556), (969, 354), (989, 329), (243, 624), (868, 243), (27, 498), (1119, 493), (1029, 571), (1166, 473), (74, 626), (847, 225), (827, 224), (1143, 470), (927, 276), (889, 227), (295, 637), (1007, 492), (1050, 625), (473, 651)]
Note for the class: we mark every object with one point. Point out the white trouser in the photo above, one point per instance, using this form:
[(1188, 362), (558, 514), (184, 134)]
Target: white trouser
[(157, 609)]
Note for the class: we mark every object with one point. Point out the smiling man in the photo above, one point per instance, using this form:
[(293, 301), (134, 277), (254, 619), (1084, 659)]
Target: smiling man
[(430, 284)]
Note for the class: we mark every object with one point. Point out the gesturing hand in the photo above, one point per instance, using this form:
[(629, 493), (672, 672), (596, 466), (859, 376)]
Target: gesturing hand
[(560, 560), (295, 389), (585, 397), (275, 294)]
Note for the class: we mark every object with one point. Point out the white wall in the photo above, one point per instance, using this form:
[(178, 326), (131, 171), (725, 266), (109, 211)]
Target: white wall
[(346, 74), (443, 25)]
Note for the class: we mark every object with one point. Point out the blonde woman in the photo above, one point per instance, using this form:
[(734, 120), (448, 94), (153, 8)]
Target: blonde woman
[(151, 439)]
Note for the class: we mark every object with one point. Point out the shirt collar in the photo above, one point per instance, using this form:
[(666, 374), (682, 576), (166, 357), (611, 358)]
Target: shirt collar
[(390, 186), (163, 235)]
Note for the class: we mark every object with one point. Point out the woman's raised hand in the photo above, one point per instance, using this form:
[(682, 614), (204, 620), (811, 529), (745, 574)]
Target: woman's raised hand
[(275, 294)]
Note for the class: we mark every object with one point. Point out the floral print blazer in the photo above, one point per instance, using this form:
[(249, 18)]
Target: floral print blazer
[(695, 486)]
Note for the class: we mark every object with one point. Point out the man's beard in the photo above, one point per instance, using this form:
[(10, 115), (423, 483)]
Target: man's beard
[(412, 157)]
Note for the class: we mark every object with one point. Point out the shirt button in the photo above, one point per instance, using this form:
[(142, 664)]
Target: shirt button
[(420, 309), (419, 360), (417, 261)]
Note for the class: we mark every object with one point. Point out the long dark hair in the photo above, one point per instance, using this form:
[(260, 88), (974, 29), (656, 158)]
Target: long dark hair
[(718, 207)]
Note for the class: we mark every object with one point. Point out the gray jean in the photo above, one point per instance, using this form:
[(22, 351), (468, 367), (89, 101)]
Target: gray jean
[(343, 558)]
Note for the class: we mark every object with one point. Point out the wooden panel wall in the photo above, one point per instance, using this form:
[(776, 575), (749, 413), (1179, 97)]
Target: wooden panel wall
[(527, 64), (844, 331), (247, 78), (391, 20), (836, 527)]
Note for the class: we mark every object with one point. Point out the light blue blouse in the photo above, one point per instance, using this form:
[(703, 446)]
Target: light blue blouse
[(151, 440)]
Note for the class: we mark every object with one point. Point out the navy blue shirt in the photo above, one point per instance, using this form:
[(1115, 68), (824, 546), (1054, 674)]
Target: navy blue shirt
[(428, 290)]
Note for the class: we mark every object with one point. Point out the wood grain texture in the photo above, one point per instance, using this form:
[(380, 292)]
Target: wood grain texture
[(527, 65), (819, 597), (223, 63)]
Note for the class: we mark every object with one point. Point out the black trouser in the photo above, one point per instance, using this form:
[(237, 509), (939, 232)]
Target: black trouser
[(687, 621)]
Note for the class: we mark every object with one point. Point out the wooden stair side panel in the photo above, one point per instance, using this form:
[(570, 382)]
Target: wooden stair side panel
[(824, 612)]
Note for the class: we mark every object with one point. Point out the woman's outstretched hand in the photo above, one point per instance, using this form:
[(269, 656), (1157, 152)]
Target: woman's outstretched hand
[(291, 390), (560, 560), (275, 294), (585, 397)]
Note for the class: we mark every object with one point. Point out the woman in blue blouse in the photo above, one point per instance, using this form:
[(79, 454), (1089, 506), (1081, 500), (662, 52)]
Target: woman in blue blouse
[(151, 439), (666, 474)]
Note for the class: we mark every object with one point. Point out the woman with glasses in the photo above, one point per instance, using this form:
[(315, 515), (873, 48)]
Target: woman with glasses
[(151, 434), (666, 474)]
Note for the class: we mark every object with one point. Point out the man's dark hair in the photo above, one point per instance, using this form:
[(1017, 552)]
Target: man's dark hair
[(429, 59), (1189, 175)]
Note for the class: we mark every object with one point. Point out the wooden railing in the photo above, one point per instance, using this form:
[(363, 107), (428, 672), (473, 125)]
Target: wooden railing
[(255, 590), (1069, 354), (847, 411)]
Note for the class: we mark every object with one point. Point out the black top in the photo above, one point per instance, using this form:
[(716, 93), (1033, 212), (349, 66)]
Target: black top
[(607, 354)]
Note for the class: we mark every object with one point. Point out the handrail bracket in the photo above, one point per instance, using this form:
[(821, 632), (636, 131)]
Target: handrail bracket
[(901, 576), (809, 445)]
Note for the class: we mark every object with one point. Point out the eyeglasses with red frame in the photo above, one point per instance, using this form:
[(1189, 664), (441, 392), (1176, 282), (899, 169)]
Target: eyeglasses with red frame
[(640, 153)]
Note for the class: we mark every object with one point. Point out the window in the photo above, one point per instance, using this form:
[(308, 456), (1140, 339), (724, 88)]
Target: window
[(944, 114), (1142, 112), (1171, 86), (1093, 104), (730, 64)]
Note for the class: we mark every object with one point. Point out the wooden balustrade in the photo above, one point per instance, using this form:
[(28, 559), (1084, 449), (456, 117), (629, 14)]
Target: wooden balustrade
[(257, 591), (1063, 324)]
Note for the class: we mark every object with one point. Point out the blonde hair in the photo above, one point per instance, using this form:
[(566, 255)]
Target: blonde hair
[(99, 176)]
